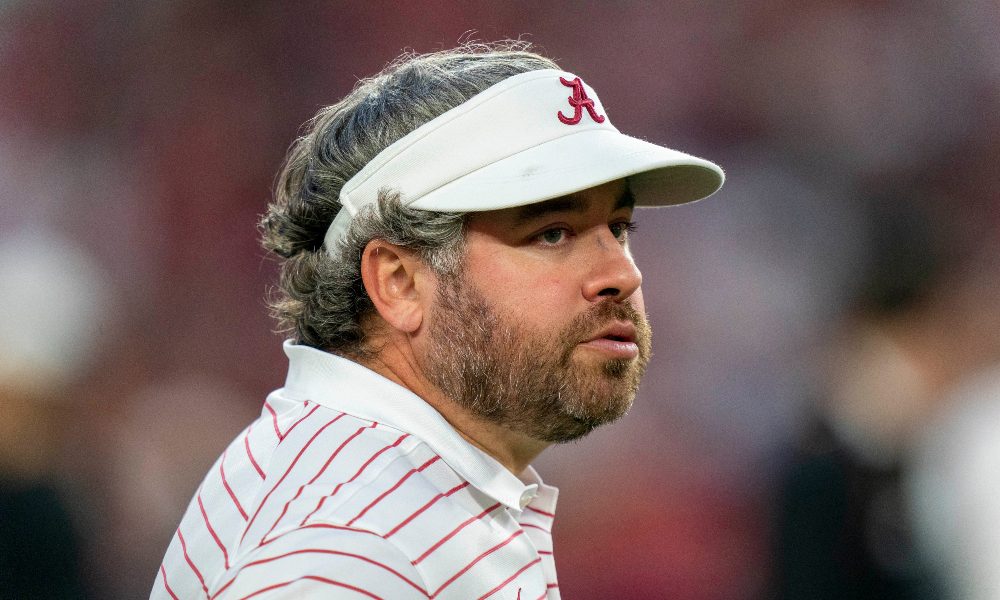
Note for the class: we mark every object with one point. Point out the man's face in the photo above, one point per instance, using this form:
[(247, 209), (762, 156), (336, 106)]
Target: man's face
[(543, 329)]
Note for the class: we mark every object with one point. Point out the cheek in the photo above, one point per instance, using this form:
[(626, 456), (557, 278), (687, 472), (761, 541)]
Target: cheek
[(553, 300), (540, 300), (536, 301)]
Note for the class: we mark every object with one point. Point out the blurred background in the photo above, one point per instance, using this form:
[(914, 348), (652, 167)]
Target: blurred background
[(822, 415)]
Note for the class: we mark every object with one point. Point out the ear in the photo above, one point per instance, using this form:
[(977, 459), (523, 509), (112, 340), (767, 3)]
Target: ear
[(395, 279)]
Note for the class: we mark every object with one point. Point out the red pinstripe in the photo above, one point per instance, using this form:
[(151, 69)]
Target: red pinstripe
[(225, 482), (394, 488), (545, 552), (313, 578), (512, 578), (466, 568), (541, 512), (325, 526), (167, 585), (318, 526), (366, 559), (211, 530), (253, 461), (287, 471), (302, 487), (319, 504), (311, 526), (274, 420), (430, 503), (534, 527), (544, 595), (337, 451), (454, 532), (221, 589), (296, 424), (190, 563)]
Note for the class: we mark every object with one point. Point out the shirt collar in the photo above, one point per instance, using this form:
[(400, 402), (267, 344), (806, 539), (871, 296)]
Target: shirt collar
[(344, 385)]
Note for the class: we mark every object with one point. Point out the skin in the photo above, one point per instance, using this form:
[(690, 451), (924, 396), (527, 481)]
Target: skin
[(544, 264)]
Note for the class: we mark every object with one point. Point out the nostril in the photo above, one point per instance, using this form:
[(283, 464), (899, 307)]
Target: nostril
[(610, 292)]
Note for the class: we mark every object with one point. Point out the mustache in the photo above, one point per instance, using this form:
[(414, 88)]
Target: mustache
[(603, 313), (584, 325)]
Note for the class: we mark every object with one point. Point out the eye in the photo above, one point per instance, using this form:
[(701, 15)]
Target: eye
[(553, 236), (622, 229)]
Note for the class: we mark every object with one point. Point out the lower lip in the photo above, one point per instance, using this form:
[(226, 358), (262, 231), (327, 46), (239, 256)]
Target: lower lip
[(615, 348)]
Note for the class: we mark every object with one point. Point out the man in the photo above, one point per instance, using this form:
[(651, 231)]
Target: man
[(460, 294)]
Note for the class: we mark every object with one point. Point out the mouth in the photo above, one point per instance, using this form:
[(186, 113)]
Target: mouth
[(619, 331), (616, 339)]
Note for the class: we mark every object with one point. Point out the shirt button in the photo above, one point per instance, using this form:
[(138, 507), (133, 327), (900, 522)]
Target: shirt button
[(526, 499)]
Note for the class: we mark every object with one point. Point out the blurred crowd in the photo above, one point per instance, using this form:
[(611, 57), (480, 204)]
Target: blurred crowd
[(821, 419)]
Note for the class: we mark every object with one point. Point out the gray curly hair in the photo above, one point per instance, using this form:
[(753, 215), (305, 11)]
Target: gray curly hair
[(321, 301)]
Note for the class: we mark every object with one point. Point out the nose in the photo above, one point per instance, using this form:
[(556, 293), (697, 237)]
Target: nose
[(612, 274)]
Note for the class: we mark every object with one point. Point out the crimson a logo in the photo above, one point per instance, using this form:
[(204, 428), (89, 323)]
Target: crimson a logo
[(578, 101)]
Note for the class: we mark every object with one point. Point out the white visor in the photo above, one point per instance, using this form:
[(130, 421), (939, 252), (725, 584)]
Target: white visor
[(532, 137)]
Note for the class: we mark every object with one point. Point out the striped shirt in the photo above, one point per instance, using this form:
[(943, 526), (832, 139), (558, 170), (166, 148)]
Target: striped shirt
[(350, 486)]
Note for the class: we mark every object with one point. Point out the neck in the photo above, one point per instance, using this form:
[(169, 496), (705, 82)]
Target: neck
[(515, 451)]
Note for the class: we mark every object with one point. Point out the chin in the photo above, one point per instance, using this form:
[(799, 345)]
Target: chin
[(587, 415)]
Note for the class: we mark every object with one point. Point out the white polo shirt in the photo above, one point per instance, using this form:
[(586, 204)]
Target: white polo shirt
[(351, 486)]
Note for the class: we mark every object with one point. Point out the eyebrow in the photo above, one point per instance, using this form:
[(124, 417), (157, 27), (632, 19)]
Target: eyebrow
[(572, 203)]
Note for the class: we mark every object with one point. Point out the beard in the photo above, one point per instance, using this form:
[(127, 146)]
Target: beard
[(529, 381)]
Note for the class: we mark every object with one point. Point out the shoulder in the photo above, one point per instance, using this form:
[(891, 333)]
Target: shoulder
[(336, 470)]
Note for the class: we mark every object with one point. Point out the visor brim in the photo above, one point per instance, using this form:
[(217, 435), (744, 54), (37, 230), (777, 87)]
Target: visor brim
[(658, 176)]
